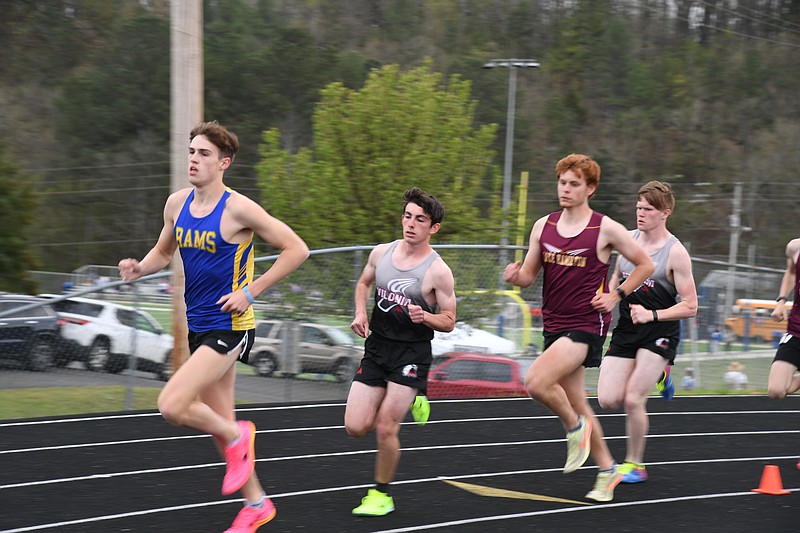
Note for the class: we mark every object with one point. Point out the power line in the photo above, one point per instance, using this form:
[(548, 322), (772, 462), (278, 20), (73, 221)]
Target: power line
[(92, 179), (96, 191), (740, 34), (120, 165), (770, 16), (81, 243), (779, 26)]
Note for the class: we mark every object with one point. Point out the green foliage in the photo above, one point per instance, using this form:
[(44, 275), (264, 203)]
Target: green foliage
[(84, 88), (113, 115), (17, 210), (403, 129), (125, 93)]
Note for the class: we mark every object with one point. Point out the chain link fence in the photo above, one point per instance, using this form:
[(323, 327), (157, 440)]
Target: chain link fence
[(493, 318)]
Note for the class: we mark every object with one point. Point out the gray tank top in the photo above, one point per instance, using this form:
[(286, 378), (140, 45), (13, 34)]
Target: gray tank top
[(395, 289), (657, 292)]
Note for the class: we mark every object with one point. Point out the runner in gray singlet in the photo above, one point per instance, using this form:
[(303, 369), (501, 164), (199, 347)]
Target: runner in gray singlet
[(411, 281), (644, 340)]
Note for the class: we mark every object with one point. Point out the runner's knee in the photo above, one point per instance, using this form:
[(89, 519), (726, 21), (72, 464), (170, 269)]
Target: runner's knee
[(172, 408), (355, 429), (608, 400), (776, 393)]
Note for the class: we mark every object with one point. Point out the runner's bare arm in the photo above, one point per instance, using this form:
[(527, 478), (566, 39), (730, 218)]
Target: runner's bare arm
[(248, 216), (525, 274), (160, 256), (788, 281), (614, 236), (360, 324), (444, 291), (679, 264)]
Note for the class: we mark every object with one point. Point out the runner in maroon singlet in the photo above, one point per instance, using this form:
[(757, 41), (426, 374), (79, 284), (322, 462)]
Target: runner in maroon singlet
[(574, 247), (783, 376)]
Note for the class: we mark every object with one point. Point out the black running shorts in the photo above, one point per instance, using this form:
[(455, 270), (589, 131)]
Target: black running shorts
[(626, 343), (405, 363), (595, 343), (224, 341), (789, 350)]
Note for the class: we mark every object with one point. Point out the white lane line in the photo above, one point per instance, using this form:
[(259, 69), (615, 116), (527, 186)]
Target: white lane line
[(243, 409), (496, 518), (340, 427), (277, 497), (325, 455), (100, 418)]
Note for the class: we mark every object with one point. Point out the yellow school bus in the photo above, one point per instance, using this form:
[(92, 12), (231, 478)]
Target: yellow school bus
[(754, 315)]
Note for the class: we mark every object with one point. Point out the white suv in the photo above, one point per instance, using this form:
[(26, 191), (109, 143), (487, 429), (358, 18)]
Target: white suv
[(104, 335)]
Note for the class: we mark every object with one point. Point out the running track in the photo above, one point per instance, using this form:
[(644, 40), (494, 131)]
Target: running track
[(479, 465)]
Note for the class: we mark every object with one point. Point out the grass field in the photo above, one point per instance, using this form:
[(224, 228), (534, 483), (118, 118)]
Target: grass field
[(59, 401)]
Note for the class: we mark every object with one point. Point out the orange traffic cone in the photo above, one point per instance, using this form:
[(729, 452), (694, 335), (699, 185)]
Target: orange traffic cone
[(771, 481)]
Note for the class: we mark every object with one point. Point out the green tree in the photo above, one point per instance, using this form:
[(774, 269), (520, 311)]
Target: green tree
[(403, 129), (17, 211)]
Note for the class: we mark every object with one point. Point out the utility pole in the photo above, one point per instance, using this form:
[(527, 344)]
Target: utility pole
[(733, 250), (186, 110)]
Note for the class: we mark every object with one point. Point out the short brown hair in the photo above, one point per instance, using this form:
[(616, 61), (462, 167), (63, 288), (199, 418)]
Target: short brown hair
[(582, 165), (658, 194), (226, 141), (429, 204)]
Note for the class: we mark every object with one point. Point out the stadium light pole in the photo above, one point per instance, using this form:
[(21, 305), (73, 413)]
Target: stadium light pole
[(512, 65)]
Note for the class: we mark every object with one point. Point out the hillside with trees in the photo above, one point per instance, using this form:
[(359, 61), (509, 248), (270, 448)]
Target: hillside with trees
[(698, 93)]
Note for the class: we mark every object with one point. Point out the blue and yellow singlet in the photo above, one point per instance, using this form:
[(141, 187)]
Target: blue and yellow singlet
[(213, 269)]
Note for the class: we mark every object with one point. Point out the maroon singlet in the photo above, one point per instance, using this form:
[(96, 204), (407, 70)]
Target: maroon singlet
[(793, 326), (573, 275)]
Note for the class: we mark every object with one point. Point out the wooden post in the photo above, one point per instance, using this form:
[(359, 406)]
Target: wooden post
[(186, 37)]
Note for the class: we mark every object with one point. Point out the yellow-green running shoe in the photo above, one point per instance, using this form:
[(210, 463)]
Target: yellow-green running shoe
[(632, 472), (665, 386), (421, 410), (375, 503)]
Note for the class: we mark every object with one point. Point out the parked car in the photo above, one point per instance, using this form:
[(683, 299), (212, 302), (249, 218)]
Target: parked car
[(478, 375), (104, 335), (31, 336), (319, 348)]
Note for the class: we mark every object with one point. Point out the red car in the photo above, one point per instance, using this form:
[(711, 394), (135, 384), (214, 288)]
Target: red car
[(478, 375)]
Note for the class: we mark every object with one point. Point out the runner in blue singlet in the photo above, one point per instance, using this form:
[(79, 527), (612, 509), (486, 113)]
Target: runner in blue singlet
[(213, 227)]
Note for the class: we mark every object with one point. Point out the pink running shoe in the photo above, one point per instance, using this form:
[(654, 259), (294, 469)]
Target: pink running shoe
[(240, 458), (251, 518)]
